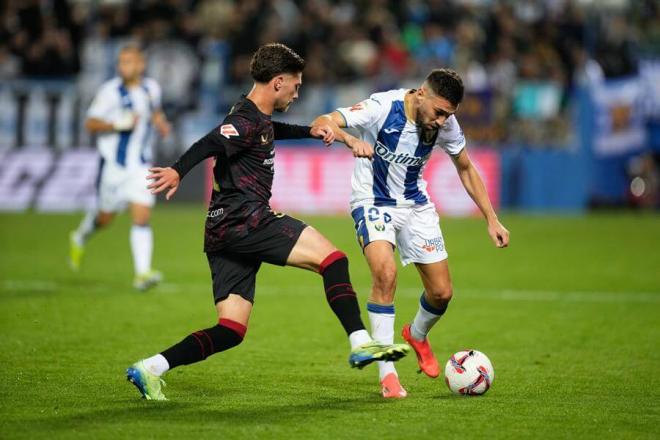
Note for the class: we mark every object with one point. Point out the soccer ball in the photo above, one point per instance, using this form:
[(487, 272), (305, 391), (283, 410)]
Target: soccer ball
[(469, 372)]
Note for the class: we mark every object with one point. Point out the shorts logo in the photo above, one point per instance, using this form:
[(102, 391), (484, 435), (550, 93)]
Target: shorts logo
[(228, 130), (433, 245)]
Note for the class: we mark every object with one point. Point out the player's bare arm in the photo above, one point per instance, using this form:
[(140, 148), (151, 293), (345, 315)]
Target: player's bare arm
[(336, 122), (161, 123), (474, 185), (125, 122)]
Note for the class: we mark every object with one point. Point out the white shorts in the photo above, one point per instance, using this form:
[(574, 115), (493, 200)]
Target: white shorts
[(118, 186), (414, 230)]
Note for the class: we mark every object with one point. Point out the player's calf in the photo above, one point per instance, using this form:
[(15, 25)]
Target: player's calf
[(339, 292)]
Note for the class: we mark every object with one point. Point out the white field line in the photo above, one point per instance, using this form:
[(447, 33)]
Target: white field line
[(519, 295)]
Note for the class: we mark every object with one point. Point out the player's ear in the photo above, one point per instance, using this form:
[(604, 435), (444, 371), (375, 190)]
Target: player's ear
[(278, 82)]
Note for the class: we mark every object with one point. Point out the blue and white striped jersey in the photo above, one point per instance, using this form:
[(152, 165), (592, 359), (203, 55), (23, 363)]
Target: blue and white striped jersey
[(130, 148), (394, 176)]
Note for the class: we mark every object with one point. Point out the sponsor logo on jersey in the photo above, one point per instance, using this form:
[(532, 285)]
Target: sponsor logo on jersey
[(433, 245), (269, 161), (391, 130), (228, 130), (379, 227), (215, 213), (402, 158)]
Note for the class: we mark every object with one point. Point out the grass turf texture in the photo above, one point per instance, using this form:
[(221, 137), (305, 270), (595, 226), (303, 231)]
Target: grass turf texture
[(568, 315)]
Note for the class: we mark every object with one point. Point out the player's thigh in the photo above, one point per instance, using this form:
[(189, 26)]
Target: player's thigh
[(232, 275), (310, 250), (109, 189), (134, 188), (272, 241), (420, 238)]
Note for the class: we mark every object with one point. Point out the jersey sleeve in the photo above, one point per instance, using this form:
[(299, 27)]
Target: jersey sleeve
[(212, 144), (103, 103), (450, 137), (363, 114), (282, 130)]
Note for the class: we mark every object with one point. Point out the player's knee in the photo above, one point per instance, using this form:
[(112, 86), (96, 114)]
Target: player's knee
[(231, 333), (440, 294), (103, 220), (384, 284), (334, 259)]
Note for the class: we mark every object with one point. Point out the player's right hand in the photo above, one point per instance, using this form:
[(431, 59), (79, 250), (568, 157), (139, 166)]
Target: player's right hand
[(162, 179), (360, 148), (125, 122)]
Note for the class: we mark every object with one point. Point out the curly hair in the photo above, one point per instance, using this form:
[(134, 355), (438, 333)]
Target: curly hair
[(274, 59)]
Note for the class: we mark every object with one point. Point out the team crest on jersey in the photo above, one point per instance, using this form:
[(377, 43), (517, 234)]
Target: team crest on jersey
[(228, 130)]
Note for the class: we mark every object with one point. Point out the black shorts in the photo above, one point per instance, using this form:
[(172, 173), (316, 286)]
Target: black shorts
[(234, 268)]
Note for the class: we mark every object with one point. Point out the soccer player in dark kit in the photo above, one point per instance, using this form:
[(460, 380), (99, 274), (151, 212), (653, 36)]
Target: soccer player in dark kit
[(242, 231)]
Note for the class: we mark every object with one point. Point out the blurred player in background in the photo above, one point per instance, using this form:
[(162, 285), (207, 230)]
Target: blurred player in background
[(242, 231), (124, 115), (391, 207)]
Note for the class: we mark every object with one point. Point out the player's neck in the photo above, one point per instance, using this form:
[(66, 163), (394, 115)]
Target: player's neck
[(410, 107), (130, 83), (261, 98)]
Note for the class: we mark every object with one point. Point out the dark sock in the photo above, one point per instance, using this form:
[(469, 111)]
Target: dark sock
[(339, 291), (202, 344)]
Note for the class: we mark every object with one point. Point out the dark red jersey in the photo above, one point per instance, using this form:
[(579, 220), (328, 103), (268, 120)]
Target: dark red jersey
[(243, 172)]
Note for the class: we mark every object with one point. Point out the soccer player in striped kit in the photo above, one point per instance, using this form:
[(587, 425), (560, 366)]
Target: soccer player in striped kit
[(125, 116), (391, 207)]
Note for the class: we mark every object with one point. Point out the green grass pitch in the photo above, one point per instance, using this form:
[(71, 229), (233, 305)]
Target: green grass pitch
[(569, 316)]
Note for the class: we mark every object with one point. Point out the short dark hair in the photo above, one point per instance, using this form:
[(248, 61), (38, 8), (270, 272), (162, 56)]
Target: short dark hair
[(447, 84), (274, 59)]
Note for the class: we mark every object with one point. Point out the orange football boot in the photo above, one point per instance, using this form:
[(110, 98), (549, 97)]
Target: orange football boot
[(425, 357), (392, 389)]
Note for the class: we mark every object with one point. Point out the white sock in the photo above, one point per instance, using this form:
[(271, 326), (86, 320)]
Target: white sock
[(86, 228), (142, 244), (157, 364), (382, 330), (358, 338), (425, 319)]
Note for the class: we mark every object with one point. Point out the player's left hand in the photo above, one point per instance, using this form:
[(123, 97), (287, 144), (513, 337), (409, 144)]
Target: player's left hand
[(164, 128), (499, 234), (162, 179), (323, 132)]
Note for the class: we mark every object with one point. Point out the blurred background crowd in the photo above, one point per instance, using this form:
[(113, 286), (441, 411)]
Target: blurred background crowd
[(523, 61)]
